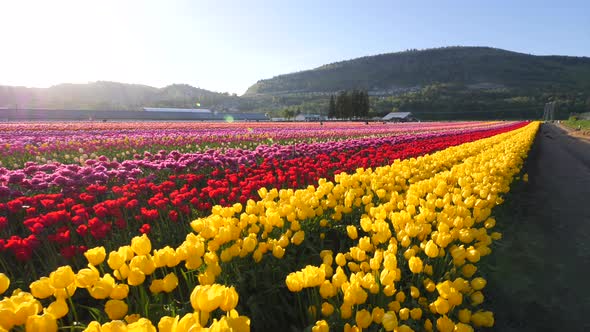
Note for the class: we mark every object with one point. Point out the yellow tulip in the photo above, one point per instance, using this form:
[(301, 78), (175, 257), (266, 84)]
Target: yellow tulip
[(483, 318), (327, 309), (141, 325), (327, 290), (478, 283), (229, 299), (404, 313), (87, 277), (389, 321), (62, 277), (477, 298), (115, 309), (170, 282), (468, 270), (136, 277), (168, 324), (363, 318), (249, 243), (123, 272), (445, 324), (207, 297), (58, 308), (166, 257), (278, 251), (65, 293), (345, 311), (431, 249), (119, 292), (352, 232), (442, 306), (45, 322), (95, 256), (157, 286), (141, 245), (298, 237), (116, 260), (94, 326), (415, 264), (42, 288), (132, 318), (236, 322), (4, 283), (340, 259), (320, 326), (461, 327), (114, 326), (400, 297), (102, 288)]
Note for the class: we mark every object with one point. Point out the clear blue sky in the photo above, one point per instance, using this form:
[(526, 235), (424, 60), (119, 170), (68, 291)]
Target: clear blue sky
[(229, 45)]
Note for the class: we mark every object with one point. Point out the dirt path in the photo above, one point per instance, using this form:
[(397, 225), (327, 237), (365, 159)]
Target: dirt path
[(539, 274)]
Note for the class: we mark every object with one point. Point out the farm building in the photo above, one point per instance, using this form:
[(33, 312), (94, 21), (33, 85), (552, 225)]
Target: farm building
[(187, 110), (310, 117), (399, 117)]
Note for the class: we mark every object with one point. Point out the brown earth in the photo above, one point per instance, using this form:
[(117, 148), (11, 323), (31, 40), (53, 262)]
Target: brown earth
[(539, 273), (582, 134)]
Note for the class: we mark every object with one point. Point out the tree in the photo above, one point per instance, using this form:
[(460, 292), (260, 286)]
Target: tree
[(340, 101), (288, 113), (332, 108), (355, 102)]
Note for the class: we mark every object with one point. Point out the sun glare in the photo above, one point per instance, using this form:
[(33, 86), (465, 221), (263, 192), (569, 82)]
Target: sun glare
[(53, 42)]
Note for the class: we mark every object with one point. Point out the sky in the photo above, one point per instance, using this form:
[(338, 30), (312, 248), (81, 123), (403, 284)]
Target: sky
[(226, 46)]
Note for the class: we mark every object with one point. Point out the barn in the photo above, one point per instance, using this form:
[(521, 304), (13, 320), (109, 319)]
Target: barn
[(399, 117)]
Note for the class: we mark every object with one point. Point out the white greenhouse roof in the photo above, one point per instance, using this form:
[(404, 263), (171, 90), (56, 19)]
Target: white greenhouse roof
[(397, 115), (189, 110)]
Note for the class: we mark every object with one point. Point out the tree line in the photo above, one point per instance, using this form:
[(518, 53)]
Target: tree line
[(349, 104)]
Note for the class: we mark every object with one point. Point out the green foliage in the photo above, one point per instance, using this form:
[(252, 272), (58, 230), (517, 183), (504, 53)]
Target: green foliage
[(577, 124), (349, 104)]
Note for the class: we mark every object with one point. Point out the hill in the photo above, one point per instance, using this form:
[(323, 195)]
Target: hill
[(478, 67), (442, 83), (109, 96)]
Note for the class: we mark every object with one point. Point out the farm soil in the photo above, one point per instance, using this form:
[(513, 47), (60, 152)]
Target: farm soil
[(539, 273), (582, 134)]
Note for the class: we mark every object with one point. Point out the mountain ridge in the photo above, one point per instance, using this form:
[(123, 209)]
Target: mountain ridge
[(456, 64), (108, 95)]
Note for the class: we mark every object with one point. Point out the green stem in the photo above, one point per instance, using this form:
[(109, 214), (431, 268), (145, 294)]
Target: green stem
[(72, 305)]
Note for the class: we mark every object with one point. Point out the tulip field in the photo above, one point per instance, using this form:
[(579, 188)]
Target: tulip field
[(186, 226)]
